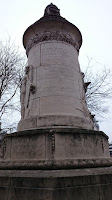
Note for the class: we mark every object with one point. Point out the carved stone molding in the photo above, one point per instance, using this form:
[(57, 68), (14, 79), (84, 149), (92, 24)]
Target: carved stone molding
[(59, 164), (54, 35)]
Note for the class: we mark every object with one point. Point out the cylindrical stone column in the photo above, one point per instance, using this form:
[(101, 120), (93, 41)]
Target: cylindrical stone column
[(52, 91)]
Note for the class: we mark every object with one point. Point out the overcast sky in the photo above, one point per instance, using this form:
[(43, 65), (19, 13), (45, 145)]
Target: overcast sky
[(93, 18)]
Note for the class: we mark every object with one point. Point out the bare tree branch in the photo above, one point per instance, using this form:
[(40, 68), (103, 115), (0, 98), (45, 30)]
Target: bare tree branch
[(100, 89), (11, 71)]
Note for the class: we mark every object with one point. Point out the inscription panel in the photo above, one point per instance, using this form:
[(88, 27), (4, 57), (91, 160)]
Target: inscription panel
[(28, 148), (57, 80), (54, 53), (81, 146)]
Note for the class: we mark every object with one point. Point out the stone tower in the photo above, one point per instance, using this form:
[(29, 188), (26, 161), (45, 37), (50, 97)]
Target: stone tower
[(55, 154), (52, 45)]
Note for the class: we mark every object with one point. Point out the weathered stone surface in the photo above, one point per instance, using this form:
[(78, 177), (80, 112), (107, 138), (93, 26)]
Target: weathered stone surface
[(54, 121), (86, 184), (60, 106), (59, 88), (58, 148), (55, 74), (35, 56), (59, 53), (28, 147)]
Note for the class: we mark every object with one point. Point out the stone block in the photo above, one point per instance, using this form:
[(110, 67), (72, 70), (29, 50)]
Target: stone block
[(59, 53), (86, 184), (32, 109), (63, 121), (55, 148), (79, 146), (56, 80), (61, 105), (28, 147), (28, 123), (34, 56)]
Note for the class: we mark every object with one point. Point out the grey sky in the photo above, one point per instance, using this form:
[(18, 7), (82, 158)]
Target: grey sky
[(93, 18)]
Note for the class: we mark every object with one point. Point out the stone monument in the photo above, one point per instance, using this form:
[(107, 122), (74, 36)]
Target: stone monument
[(52, 45), (56, 153)]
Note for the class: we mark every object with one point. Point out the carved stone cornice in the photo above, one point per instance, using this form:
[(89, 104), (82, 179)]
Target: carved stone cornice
[(49, 36)]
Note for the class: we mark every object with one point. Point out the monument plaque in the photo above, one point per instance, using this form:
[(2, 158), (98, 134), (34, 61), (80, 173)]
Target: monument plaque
[(32, 147)]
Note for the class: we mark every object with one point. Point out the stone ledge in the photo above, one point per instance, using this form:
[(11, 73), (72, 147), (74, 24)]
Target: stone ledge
[(56, 173), (45, 121), (58, 164), (55, 146), (57, 129)]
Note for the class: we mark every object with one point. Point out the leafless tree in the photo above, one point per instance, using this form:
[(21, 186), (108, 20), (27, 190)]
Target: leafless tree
[(100, 88), (11, 70)]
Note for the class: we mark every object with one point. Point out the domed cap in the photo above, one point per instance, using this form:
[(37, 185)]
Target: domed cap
[(52, 26)]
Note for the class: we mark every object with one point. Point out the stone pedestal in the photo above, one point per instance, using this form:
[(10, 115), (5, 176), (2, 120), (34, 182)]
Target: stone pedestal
[(56, 148), (55, 164), (78, 184)]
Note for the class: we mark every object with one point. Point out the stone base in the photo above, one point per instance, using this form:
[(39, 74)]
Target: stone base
[(55, 164), (77, 184), (56, 148), (55, 121)]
